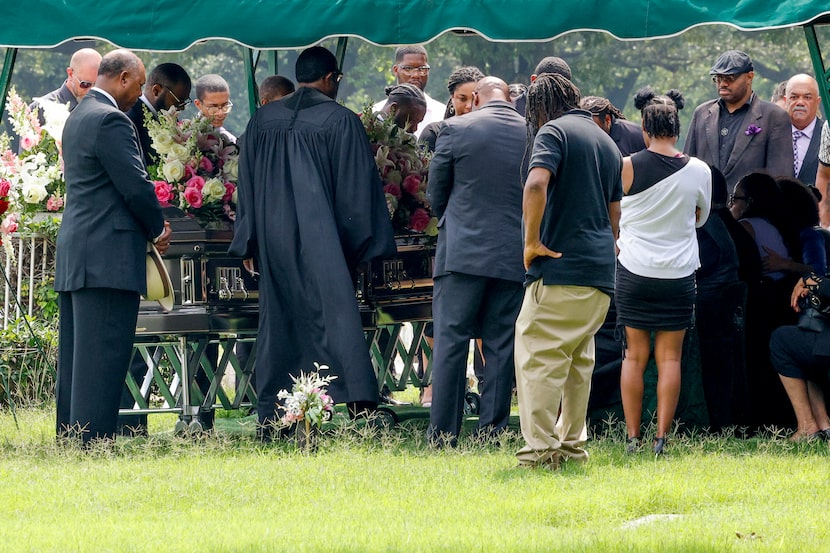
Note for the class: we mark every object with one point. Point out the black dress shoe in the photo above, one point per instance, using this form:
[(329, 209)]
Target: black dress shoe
[(362, 409), (389, 400), (659, 446)]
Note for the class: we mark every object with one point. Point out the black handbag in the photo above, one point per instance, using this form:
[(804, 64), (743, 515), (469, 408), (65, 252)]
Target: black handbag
[(815, 313)]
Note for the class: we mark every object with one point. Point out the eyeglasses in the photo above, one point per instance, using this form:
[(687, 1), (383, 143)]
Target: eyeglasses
[(726, 79), (423, 69), (216, 110), (180, 104), (733, 198), (83, 84)]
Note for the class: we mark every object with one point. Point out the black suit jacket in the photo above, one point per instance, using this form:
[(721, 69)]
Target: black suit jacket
[(769, 150), (136, 115), (809, 167), (475, 188), (111, 207)]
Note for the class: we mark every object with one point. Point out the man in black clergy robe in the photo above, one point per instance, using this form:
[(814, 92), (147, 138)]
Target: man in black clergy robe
[(311, 208)]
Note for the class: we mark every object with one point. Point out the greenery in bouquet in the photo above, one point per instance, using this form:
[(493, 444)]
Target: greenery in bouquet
[(308, 401), (196, 168), (403, 164), (31, 179)]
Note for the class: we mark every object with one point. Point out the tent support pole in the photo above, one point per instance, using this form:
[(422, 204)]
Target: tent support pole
[(819, 69), (342, 43), (6, 76), (250, 73)]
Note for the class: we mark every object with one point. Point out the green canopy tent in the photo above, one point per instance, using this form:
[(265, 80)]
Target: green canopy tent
[(167, 25)]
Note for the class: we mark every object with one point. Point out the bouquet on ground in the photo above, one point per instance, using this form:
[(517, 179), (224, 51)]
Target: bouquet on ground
[(31, 179), (403, 164), (196, 169), (308, 401)]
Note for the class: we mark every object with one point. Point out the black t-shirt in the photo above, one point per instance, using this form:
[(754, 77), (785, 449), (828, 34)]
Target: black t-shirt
[(586, 169)]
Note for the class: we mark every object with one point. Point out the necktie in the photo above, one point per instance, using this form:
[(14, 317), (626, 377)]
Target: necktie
[(796, 162)]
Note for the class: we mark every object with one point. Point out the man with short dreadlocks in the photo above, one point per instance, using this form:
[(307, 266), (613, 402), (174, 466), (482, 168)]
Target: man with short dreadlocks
[(627, 135), (571, 209)]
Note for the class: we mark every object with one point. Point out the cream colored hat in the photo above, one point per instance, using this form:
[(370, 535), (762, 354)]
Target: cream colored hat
[(159, 285)]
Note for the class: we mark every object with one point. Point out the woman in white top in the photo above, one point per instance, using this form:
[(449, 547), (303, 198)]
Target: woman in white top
[(667, 195)]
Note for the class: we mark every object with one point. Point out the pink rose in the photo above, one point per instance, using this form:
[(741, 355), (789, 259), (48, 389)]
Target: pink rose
[(5, 187), (189, 172), (206, 165), (193, 197), (28, 141), (419, 220), (412, 184), (393, 189), (230, 188), (9, 224), (196, 182), (54, 203), (164, 192)]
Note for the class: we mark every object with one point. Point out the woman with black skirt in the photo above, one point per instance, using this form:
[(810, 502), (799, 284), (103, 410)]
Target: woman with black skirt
[(667, 195)]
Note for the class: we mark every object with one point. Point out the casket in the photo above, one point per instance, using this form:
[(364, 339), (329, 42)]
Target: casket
[(212, 290), (398, 289)]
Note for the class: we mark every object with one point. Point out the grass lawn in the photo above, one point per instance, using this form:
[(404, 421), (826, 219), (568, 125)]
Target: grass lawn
[(368, 490)]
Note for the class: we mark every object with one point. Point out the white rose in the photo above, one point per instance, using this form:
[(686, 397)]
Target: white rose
[(173, 170), (213, 190), (180, 152), (34, 192), (162, 142), (231, 169)]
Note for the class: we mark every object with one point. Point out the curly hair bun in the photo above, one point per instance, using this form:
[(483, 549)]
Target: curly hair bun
[(677, 98), (643, 97)]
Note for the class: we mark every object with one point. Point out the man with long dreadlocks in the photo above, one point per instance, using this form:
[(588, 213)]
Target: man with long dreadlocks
[(571, 209), (627, 135)]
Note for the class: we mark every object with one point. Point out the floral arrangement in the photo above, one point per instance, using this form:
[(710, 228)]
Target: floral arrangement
[(196, 169), (308, 401), (752, 130), (403, 166), (31, 180)]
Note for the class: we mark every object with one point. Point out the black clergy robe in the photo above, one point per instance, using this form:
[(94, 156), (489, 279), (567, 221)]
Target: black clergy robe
[(310, 208)]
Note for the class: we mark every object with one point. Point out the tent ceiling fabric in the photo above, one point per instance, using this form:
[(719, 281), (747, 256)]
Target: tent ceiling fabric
[(261, 24)]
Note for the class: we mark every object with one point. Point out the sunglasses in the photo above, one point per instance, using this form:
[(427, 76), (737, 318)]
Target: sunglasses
[(83, 84), (180, 104)]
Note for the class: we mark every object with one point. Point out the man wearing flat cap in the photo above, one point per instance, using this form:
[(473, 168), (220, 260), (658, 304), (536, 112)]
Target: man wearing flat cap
[(739, 133)]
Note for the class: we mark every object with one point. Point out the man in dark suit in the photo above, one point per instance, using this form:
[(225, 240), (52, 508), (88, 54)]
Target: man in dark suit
[(111, 212), (476, 191), (803, 100), (168, 85), (739, 133), (80, 77)]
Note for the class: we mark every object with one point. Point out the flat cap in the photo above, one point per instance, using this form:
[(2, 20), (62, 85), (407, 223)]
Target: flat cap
[(733, 62)]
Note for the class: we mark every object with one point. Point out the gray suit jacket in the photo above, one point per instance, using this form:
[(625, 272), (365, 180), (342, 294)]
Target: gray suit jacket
[(770, 150), (111, 207), (475, 188), (809, 167)]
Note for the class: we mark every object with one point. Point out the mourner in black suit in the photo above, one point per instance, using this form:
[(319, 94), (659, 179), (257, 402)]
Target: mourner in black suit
[(475, 188), (168, 85), (803, 100), (739, 133), (801, 355), (80, 77), (111, 212)]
